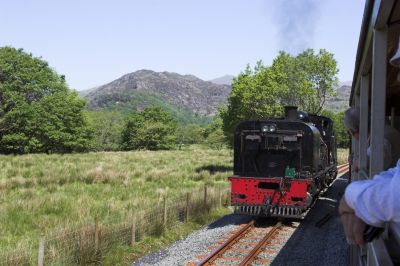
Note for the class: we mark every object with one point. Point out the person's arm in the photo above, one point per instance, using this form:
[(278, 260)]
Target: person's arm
[(378, 200), (353, 226)]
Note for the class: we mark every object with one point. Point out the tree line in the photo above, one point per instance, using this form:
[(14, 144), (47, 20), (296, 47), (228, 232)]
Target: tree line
[(38, 112)]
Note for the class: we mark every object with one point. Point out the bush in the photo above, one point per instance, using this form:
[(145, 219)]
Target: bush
[(152, 129)]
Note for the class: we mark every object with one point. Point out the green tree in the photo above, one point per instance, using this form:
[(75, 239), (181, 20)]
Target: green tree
[(214, 134), (107, 130), (189, 134), (342, 136), (151, 129), (254, 95), (320, 73), (37, 111), (304, 80)]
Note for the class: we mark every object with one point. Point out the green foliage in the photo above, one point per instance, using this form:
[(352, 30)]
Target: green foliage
[(140, 100), (342, 137), (305, 80), (214, 134), (37, 111), (151, 129), (189, 134), (107, 129)]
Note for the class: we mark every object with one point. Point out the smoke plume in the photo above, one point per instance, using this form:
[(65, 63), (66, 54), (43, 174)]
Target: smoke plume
[(296, 21)]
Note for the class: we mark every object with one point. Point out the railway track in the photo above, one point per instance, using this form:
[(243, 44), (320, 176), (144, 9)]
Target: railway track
[(245, 246), (251, 245), (343, 168)]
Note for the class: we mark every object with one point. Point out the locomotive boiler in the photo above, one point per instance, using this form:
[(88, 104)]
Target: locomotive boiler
[(281, 165)]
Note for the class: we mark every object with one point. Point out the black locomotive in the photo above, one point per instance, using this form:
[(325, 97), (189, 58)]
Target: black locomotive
[(280, 165)]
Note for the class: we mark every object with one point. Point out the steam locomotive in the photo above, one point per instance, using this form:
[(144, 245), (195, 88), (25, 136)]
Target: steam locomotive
[(281, 165)]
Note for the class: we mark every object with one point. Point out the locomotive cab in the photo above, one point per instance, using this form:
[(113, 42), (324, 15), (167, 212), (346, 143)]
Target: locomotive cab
[(281, 164)]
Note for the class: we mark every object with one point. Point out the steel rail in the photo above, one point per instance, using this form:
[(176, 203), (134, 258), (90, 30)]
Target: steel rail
[(228, 243), (257, 249), (343, 168)]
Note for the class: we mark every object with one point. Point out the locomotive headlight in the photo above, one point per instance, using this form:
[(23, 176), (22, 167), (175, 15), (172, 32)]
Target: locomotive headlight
[(268, 128), (265, 128), (271, 128)]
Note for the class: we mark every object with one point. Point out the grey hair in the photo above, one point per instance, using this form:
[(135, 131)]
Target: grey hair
[(352, 119)]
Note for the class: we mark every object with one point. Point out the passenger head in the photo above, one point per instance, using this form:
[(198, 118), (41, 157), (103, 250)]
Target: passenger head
[(352, 121)]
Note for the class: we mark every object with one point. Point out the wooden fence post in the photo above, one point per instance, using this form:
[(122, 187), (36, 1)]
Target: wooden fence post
[(165, 211), (133, 239), (41, 251), (187, 206), (205, 195)]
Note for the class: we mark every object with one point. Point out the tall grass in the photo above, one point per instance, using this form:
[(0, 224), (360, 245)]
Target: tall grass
[(40, 193), (342, 155)]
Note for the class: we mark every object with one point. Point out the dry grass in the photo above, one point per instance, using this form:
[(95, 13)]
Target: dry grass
[(342, 155), (40, 193)]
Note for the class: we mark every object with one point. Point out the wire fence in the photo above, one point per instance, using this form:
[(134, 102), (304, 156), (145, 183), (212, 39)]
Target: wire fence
[(87, 244)]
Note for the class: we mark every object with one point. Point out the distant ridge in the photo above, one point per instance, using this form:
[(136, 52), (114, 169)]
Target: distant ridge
[(227, 80), (135, 91), (340, 102), (187, 97)]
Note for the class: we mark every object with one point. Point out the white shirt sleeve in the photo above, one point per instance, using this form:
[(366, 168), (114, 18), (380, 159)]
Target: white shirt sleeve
[(378, 200)]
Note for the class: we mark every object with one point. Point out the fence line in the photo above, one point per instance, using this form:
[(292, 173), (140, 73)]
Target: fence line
[(87, 244)]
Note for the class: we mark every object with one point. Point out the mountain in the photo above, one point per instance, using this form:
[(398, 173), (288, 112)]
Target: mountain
[(188, 98), (176, 93), (227, 80), (340, 102), (86, 92)]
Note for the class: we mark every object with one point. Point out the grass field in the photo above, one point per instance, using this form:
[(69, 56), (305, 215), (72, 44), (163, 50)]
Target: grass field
[(42, 193), (39, 193)]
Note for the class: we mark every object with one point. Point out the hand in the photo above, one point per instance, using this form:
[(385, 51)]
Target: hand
[(353, 226)]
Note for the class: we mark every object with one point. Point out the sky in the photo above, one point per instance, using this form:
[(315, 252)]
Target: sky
[(93, 42)]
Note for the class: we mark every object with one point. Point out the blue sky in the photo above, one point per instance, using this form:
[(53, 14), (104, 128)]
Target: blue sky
[(95, 42)]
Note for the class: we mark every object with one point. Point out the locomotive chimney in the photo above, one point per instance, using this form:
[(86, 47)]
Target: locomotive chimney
[(291, 112)]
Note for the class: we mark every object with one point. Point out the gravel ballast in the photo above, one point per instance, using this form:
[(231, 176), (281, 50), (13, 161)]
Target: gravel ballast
[(308, 244), (197, 243), (325, 245)]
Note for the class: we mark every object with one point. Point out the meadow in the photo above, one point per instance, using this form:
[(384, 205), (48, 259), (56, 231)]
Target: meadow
[(40, 193)]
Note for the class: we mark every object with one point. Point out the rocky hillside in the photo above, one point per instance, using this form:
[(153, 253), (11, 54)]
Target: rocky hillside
[(340, 102), (227, 80), (139, 89)]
